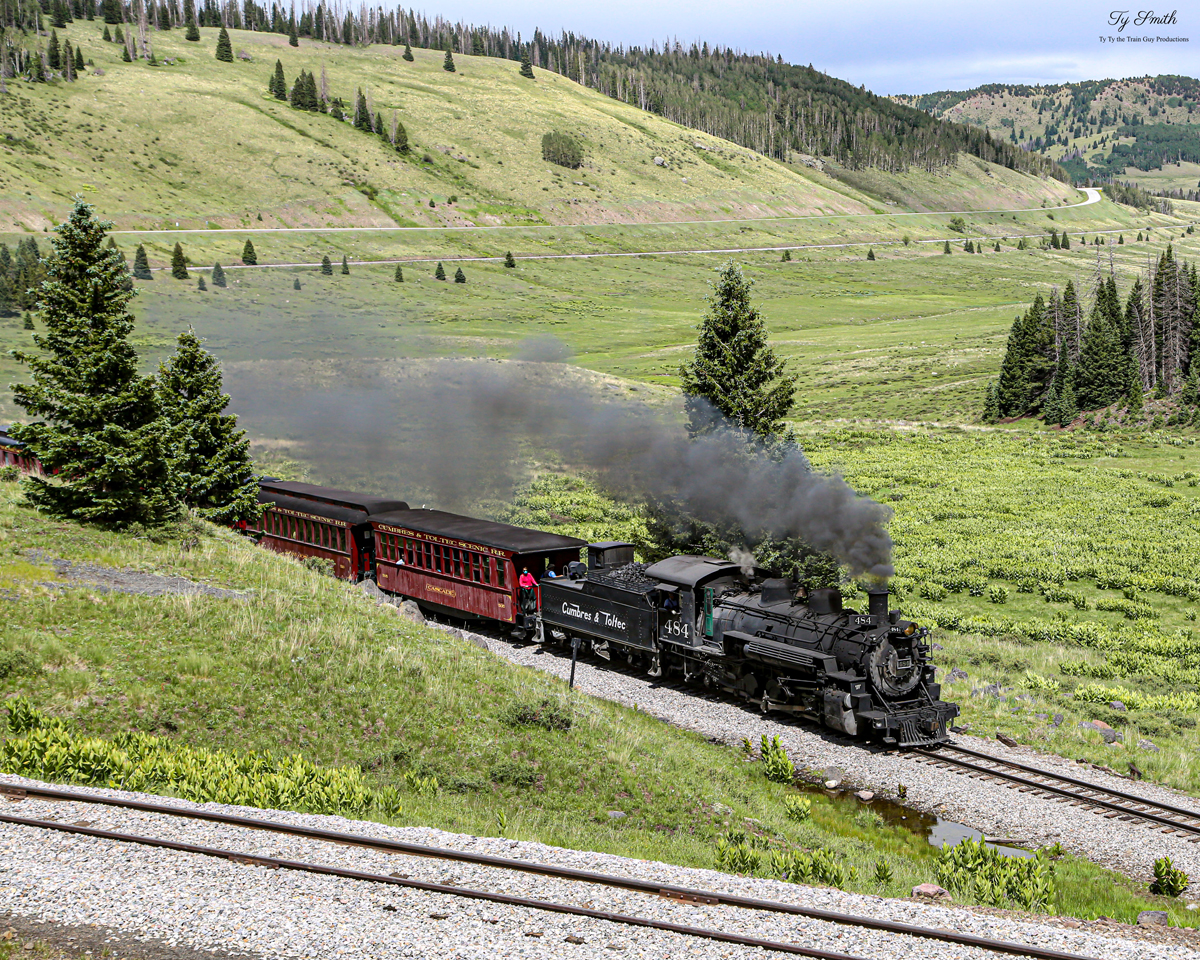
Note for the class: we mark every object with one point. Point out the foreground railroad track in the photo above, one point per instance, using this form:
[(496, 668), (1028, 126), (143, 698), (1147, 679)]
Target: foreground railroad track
[(682, 895), (1105, 801)]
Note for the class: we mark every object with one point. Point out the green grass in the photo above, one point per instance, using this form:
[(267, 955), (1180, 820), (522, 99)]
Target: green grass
[(308, 665)]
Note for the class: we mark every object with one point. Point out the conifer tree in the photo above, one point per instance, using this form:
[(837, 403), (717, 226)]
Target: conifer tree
[(1055, 243), (126, 56), (1028, 361), (1121, 240), (509, 261), (200, 284), (345, 264), (54, 52), (27, 323), (1139, 236), (1191, 388), (293, 37), (991, 407), (178, 263), (408, 54), (997, 247), (526, 66), (946, 247), (296, 283), (107, 37), (459, 276), (1067, 408), (249, 257), (209, 455), (1052, 406), (96, 426), (326, 266), (399, 276), (1065, 243), (362, 116), (448, 63), (734, 373), (193, 32), (786, 256), (118, 36), (141, 264), (336, 109), (401, 143), (380, 129), (218, 276), (79, 64), (871, 253), (224, 47), (312, 99), (278, 85), (439, 273)]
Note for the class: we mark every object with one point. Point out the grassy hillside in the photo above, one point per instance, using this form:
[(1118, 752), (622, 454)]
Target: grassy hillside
[(1134, 129), (201, 144)]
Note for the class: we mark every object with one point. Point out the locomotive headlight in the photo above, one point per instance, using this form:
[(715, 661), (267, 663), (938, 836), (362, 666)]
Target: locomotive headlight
[(910, 629)]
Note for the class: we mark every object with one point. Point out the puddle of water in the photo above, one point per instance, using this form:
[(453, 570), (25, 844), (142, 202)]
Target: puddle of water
[(935, 830)]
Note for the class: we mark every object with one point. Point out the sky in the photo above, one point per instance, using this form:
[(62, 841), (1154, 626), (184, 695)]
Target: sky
[(890, 47)]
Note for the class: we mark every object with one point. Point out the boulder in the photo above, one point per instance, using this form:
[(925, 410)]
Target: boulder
[(931, 891), (956, 674), (866, 796), (1148, 745), (832, 784), (1117, 705), (410, 611), (616, 815), (834, 773), (1058, 719), (1106, 732), (371, 589), (993, 690), (660, 161), (1149, 918)]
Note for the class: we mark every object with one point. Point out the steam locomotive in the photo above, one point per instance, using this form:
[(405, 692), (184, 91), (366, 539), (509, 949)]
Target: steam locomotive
[(711, 621)]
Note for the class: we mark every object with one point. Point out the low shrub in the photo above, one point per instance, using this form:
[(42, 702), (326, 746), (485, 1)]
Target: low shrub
[(546, 714), (798, 808), (1168, 880), (974, 871), (777, 765)]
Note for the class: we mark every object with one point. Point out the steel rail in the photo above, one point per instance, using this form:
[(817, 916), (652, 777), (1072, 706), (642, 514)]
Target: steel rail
[(936, 755), (1131, 797), (668, 891), (275, 863)]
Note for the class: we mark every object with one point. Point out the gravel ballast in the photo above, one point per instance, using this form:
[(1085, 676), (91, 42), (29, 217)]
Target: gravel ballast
[(198, 902)]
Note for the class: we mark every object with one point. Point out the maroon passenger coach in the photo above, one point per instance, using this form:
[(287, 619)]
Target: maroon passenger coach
[(305, 520), (466, 567)]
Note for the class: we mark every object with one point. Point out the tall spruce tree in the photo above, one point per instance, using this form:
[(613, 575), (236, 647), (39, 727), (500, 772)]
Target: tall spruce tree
[(96, 425), (193, 32), (224, 47), (345, 264), (249, 257), (79, 64), (439, 273), (459, 276), (401, 143), (448, 62), (278, 85), (735, 378), (293, 36), (509, 260), (946, 247), (326, 266), (1028, 362), (209, 456), (218, 276), (178, 263), (526, 66), (399, 276), (54, 52), (362, 116), (408, 54), (141, 264)]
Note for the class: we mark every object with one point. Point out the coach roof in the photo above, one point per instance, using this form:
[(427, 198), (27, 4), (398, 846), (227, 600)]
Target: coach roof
[(487, 533), (349, 499)]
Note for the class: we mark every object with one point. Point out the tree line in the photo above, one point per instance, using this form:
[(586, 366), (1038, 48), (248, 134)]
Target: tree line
[(117, 447), (1079, 351), (755, 100)]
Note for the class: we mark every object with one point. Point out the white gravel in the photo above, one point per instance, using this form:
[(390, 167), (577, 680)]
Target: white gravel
[(993, 809), (214, 904)]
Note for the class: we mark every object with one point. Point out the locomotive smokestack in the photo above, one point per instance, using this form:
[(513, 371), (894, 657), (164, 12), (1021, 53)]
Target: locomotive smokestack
[(877, 602)]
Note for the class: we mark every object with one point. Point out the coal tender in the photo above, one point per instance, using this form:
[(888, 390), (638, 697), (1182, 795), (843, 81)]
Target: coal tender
[(867, 675)]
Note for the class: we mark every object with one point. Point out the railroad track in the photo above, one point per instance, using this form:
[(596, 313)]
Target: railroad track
[(683, 895), (1105, 801)]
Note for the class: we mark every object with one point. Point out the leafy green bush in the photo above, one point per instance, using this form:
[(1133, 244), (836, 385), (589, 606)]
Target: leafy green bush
[(998, 593), (974, 871), (1168, 881), (883, 872), (44, 749), (817, 866), (735, 857), (516, 773), (777, 765), (17, 663), (9, 474), (562, 149), (798, 808)]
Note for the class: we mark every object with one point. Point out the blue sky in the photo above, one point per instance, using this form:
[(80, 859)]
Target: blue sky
[(898, 47)]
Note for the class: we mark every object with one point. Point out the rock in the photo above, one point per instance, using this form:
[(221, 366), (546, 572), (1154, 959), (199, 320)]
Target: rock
[(1148, 745), (617, 945), (1149, 918), (931, 891), (1026, 697), (410, 611), (480, 642), (1106, 732), (1117, 705), (721, 810), (1007, 741), (866, 796), (1058, 719), (532, 933), (834, 773), (1069, 922), (938, 646), (371, 589), (573, 939), (616, 815), (993, 690), (956, 674), (660, 161), (1042, 716), (832, 784)]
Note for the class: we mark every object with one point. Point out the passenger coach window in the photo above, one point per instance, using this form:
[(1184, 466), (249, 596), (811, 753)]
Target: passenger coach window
[(408, 557), (458, 563), (500, 565), (486, 563)]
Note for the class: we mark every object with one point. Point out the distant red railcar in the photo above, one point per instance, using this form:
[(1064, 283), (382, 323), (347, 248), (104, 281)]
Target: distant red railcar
[(465, 567), (13, 453), (306, 520)]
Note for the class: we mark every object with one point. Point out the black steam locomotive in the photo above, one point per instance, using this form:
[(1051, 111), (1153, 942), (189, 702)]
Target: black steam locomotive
[(867, 675)]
